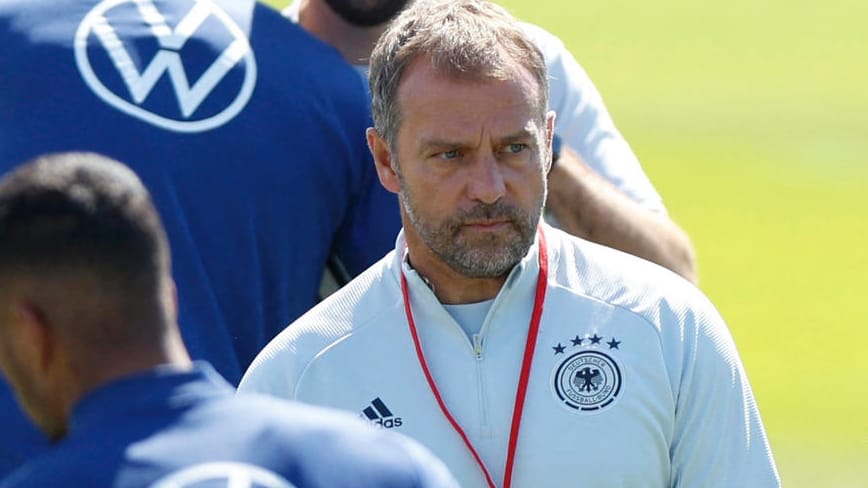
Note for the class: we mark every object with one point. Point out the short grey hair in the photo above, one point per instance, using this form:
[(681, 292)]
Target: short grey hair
[(468, 39)]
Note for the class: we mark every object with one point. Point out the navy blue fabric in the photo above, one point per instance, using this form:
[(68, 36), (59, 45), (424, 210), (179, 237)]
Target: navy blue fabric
[(253, 206), (145, 428)]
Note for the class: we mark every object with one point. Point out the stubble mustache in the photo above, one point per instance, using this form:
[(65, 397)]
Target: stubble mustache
[(487, 213)]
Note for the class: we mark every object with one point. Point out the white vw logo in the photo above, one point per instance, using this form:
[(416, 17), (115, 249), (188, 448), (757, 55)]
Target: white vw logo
[(167, 61), (229, 475)]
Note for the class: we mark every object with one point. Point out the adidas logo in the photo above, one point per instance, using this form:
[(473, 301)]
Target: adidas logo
[(377, 412)]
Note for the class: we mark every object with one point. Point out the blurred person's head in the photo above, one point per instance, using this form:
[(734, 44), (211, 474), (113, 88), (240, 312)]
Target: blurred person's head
[(366, 13), (86, 293), (350, 26), (462, 133)]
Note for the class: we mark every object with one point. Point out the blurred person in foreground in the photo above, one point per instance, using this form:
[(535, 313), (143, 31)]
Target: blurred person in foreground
[(519, 354), (259, 167), (598, 190), (90, 343)]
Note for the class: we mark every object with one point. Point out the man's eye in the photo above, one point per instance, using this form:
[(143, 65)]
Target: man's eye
[(515, 148), (453, 154)]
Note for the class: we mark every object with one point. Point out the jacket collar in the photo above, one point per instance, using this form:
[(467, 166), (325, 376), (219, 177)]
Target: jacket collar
[(520, 283)]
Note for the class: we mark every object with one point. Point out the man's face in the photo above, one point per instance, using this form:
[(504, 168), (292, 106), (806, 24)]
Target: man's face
[(367, 13), (470, 159)]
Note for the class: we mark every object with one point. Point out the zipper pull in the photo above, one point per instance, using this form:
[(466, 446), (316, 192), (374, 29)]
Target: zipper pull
[(477, 346)]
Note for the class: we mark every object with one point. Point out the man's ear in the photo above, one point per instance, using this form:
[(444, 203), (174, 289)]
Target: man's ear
[(550, 134), (383, 160), (170, 298), (37, 343)]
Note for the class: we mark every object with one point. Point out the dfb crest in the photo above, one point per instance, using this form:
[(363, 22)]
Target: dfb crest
[(589, 380)]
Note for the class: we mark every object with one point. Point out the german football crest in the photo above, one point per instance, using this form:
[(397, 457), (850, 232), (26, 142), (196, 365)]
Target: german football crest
[(587, 380)]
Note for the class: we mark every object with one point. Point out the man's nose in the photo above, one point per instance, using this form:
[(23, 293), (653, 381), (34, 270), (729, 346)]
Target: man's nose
[(487, 183)]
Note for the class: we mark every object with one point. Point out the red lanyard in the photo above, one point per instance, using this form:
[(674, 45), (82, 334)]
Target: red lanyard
[(521, 391)]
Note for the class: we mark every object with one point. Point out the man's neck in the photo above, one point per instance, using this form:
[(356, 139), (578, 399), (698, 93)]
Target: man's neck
[(110, 366), (353, 42)]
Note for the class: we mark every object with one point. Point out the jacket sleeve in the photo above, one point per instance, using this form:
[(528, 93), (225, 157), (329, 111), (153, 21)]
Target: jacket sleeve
[(275, 369), (718, 438)]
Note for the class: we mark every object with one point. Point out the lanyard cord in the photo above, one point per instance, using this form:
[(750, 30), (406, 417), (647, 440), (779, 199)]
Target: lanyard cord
[(524, 376)]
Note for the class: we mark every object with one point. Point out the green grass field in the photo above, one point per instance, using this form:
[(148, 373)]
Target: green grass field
[(751, 118)]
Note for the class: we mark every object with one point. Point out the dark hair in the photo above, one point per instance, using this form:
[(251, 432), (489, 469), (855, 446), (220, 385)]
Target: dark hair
[(83, 215)]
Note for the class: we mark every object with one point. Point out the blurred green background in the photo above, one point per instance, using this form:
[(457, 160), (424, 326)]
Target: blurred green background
[(751, 118)]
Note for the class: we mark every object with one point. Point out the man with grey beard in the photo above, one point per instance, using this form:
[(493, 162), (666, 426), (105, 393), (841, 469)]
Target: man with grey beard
[(597, 189), (519, 354)]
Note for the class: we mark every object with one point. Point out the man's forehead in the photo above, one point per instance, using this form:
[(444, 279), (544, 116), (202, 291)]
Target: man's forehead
[(424, 69), (430, 93)]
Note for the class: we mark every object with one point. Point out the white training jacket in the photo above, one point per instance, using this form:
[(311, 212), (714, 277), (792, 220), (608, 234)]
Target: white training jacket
[(635, 381)]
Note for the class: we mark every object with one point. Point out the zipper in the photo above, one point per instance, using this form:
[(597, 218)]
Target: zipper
[(477, 347), (485, 430)]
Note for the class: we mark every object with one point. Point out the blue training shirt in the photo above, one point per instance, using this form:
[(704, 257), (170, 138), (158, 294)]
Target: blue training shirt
[(168, 428), (248, 132)]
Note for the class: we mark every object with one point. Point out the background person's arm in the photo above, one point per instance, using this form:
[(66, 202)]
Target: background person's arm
[(586, 205), (598, 189)]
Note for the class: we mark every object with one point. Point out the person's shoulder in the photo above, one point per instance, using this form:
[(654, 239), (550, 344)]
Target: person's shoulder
[(294, 65), (350, 310), (275, 37), (15, 7), (565, 73), (550, 44), (354, 306), (270, 27), (330, 446), (39, 23), (622, 280), (63, 465), (291, 11), (295, 420)]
